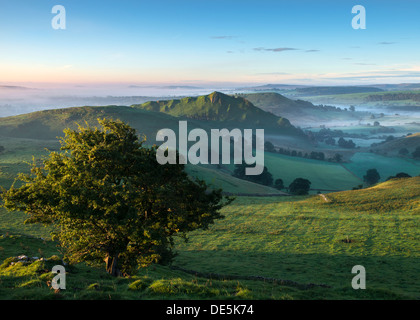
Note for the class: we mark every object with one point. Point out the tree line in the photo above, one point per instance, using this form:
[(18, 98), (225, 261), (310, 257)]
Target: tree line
[(269, 147), (299, 186)]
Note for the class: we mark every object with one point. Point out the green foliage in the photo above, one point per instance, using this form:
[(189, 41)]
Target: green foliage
[(400, 175), (300, 186), (140, 284), (372, 176), (279, 184), (348, 144), (110, 200), (265, 178)]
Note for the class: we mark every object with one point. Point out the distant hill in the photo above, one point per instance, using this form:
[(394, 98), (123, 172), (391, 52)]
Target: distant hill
[(49, 124), (320, 91), (277, 103), (299, 112), (232, 111), (271, 87), (216, 110), (393, 147)]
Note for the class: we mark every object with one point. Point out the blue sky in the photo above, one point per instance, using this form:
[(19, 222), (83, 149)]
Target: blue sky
[(202, 41)]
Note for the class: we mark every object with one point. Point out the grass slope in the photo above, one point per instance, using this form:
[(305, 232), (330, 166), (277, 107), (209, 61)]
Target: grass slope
[(231, 111), (224, 180), (393, 147), (300, 239), (386, 166), (322, 174), (299, 112), (49, 124), (305, 240)]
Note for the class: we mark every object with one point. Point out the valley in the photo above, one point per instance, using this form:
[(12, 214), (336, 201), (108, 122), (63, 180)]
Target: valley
[(305, 245)]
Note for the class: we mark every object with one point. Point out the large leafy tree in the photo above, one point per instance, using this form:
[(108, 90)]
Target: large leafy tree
[(109, 199)]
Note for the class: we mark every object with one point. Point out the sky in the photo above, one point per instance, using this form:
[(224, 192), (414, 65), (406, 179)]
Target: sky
[(209, 42)]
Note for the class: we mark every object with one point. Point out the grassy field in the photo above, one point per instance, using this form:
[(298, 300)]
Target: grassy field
[(386, 166), (323, 175), (291, 241), (304, 240), (266, 247), (219, 179)]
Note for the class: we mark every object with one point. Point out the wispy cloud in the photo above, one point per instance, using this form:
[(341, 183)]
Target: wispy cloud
[(364, 64), (223, 37), (272, 74), (312, 50), (65, 67), (386, 43), (274, 49), (372, 75)]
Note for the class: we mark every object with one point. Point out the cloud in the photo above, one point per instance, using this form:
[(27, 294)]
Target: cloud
[(312, 50), (386, 43), (387, 74), (272, 74), (66, 67), (223, 37), (364, 64), (274, 49)]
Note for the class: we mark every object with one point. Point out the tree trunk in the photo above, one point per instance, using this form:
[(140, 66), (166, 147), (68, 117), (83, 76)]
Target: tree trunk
[(112, 265)]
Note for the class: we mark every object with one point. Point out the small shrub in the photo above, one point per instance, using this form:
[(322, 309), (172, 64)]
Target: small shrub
[(140, 285)]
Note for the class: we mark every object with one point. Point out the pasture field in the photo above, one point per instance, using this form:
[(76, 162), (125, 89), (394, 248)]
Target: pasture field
[(306, 239), (223, 180), (265, 248), (322, 174), (386, 166), (303, 247)]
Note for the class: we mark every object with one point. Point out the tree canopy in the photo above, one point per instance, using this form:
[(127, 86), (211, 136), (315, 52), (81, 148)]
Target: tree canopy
[(109, 199), (300, 186), (372, 176), (265, 178)]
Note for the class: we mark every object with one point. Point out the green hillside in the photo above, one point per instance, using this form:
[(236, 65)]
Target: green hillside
[(409, 99), (219, 107), (326, 176), (300, 112), (394, 195), (319, 91), (224, 180), (309, 239), (277, 103), (393, 147), (386, 166), (265, 248), (49, 124)]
